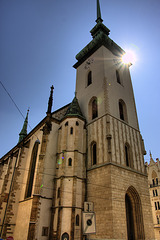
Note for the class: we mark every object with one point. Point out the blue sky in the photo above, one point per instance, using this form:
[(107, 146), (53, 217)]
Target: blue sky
[(39, 40)]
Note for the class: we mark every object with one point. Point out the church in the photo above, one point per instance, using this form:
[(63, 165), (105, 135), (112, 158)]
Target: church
[(80, 173)]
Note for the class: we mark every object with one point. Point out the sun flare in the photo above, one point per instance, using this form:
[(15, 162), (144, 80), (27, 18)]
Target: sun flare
[(129, 57)]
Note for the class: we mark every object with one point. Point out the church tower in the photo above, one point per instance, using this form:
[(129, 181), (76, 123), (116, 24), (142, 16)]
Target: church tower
[(116, 175)]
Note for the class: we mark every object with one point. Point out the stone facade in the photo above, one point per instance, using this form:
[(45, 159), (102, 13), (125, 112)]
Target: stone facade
[(154, 188), (88, 151)]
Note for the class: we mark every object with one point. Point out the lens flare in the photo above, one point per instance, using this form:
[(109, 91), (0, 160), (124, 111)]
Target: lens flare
[(129, 57)]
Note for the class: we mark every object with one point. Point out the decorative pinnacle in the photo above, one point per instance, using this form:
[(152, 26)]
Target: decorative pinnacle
[(99, 19), (50, 101), (23, 132)]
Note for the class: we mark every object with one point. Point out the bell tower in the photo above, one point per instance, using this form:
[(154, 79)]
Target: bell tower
[(116, 175)]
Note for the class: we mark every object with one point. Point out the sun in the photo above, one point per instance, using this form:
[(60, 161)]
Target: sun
[(129, 57)]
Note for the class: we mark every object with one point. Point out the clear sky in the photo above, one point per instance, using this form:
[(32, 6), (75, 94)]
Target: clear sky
[(39, 40)]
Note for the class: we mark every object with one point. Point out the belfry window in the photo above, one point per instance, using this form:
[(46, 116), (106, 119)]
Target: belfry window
[(94, 109), (89, 79), (32, 170), (122, 110), (118, 77)]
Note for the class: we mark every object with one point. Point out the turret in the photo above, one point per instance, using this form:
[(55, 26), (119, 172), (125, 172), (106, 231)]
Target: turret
[(23, 132)]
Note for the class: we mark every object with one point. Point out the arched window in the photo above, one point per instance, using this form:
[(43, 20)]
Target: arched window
[(66, 124), (118, 77), (94, 153), (71, 130), (77, 123), (94, 109), (70, 162), (89, 79), (122, 110), (31, 170), (134, 216), (77, 220)]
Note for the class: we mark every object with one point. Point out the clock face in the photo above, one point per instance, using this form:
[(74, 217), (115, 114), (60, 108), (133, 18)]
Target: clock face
[(88, 62)]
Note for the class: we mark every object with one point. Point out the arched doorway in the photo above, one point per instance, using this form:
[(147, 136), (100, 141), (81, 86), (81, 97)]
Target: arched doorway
[(134, 218)]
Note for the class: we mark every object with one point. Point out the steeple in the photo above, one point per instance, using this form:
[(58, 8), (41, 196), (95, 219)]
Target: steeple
[(23, 132), (50, 101), (99, 19)]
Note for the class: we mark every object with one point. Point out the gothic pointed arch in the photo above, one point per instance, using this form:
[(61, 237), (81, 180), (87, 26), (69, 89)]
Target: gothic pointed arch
[(32, 170), (93, 108), (134, 217), (123, 111)]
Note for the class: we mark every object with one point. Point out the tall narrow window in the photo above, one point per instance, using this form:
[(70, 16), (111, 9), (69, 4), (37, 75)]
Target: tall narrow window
[(94, 109), (155, 206), (118, 77), (31, 170), (70, 162), (89, 80), (157, 181), (127, 155), (153, 193), (94, 154), (58, 193), (122, 110), (153, 182), (77, 220), (156, 192), (71, 130)]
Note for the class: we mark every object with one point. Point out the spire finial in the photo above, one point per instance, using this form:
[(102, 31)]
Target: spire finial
[(50, 101), (23, 132), (99, 19)]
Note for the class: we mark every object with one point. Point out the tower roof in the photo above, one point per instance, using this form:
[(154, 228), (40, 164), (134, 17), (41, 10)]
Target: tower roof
[(23, 132), (74, 109), (100, 37)]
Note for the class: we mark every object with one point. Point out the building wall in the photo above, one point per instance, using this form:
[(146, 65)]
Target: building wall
[(154, 189), (70, 180), (108, 195)]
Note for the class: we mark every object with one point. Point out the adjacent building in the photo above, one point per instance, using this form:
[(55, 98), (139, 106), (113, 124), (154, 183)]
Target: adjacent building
[(154, 187), (88, 152)]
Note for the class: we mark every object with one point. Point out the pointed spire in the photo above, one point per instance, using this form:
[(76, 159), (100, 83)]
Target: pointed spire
[(151, 158), (99, 19), (50, 101), (74, 108), (23, 132)]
